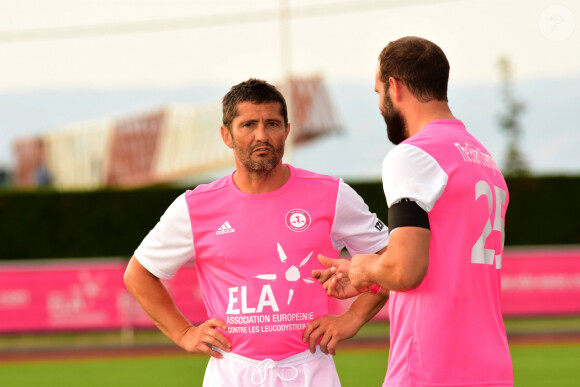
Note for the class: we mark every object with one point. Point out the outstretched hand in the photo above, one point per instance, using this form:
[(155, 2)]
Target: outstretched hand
[(335, 279), (202, 338)]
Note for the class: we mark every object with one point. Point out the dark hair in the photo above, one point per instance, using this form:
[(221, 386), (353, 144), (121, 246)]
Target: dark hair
[(420, 64), (253, 90)]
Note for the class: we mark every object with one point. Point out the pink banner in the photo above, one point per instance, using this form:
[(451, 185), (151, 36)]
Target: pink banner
[(535, 281), (74, 295), (540, 281)]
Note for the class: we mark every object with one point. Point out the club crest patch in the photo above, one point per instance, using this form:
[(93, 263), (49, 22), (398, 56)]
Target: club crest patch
[(297, 220)]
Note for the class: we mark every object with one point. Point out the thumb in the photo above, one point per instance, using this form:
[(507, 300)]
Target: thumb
[(327, 262)]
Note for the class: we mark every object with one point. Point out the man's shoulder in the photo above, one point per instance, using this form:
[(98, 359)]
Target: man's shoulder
[(214, 186), (307, 175), (407, 152)]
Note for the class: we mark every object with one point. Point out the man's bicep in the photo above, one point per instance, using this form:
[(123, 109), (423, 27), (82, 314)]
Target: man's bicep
[(136, 272)]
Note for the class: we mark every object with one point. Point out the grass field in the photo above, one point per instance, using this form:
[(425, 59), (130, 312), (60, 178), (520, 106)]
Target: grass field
[(544, 363), (534, 365)]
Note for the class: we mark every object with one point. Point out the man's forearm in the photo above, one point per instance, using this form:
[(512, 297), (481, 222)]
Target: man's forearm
[(155, 301), (366, 306), (400, 268)]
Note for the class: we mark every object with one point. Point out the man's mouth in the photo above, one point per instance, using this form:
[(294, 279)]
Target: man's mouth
[(262, 149)]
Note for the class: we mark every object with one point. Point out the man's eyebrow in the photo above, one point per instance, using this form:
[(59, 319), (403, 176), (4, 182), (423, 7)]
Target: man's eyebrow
[(249, 120)]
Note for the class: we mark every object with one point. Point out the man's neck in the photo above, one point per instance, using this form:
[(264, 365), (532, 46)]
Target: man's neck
[(257, 183), (424, 113)]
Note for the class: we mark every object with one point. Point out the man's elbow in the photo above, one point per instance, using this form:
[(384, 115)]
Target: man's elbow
[(411, 278), (413, 282)]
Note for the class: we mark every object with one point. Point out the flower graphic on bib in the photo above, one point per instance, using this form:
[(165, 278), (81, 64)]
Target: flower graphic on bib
[(292, 274)]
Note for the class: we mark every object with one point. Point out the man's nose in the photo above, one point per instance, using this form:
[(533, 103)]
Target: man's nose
[(261, 133)]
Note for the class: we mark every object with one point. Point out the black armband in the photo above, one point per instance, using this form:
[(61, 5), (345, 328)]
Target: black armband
[(407, 213)]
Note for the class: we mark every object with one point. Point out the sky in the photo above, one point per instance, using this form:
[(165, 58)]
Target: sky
[(329, 37), (55, 46)]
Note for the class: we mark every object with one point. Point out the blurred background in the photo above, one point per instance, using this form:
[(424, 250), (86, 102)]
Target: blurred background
[(110, 109)]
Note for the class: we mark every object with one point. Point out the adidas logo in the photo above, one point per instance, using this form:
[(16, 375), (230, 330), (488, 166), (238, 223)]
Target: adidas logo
[(225, 228)]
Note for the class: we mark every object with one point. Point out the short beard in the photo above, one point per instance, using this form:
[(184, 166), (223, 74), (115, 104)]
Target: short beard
[(262, 168), (396, 124)]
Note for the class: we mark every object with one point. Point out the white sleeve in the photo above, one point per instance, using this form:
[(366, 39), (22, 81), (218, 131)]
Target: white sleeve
[(169, 245), (410, 172), (355, 227)]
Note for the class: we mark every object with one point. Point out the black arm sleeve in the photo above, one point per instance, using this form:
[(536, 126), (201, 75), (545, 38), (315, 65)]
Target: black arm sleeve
[(407, 213)]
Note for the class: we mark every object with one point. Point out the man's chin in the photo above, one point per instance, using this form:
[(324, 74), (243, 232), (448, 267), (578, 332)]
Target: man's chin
[(263, 166)]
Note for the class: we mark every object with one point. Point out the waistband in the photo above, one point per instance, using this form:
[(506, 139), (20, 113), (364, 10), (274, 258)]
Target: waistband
[(299, 358), (263, 368)]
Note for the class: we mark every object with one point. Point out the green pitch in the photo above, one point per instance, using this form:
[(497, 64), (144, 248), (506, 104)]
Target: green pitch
[(554, 365)]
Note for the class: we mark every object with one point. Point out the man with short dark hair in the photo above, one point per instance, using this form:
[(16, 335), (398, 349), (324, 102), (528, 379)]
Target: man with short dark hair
[(447, 201), (254, 236)]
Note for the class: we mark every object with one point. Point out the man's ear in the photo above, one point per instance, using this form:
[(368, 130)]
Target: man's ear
[(287, 131), (227, 137), (395, 89)]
